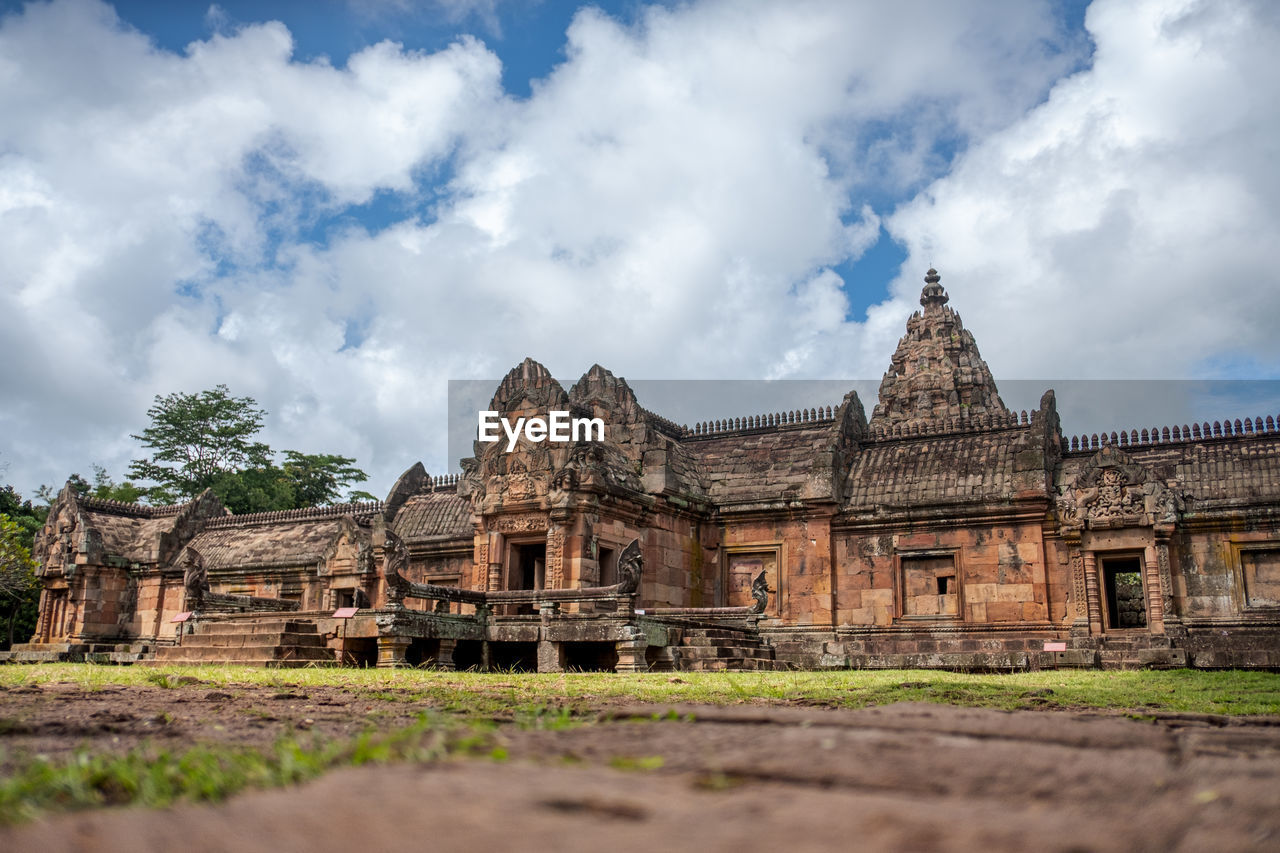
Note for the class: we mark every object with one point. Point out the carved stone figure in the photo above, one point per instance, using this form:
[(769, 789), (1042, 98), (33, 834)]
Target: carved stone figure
[(760, 592), (395, 563), (630, 565), (195, 578)]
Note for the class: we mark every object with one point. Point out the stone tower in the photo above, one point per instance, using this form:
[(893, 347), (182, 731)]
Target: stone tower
[(936, 373)]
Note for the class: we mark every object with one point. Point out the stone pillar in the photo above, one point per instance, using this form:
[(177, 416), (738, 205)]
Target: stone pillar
[(444, 658), (1153, 591), (550, 654), (392, 651), (1092, 592), (1173, 626), (631, 653)]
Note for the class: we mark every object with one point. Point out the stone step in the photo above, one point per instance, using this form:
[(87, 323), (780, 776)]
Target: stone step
[(704, 642), (709, 652), (265, 626), (233, 640), (266, 663), (173, 654)]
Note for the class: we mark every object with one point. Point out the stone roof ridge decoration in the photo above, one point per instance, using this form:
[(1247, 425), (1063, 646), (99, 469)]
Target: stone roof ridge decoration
[(936, 372), (662, 424), (598, 392), (532, 381), (314, 513), (966, 423), (445, 482), (1085, 443), (772, 420), (133, 510)]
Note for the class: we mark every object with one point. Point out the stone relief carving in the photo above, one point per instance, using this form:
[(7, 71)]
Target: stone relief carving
[(519, 523), (1113, 490)]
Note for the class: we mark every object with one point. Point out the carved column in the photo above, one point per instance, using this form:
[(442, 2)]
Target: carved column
[(444, 658), (1172, 622), (42, 619), (1092, 593), (631, 652), (392, 651), (555, 557), (1154, 591)]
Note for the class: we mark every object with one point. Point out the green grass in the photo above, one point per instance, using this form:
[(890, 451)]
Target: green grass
[(210, 773), (460, 710), (529, 697)]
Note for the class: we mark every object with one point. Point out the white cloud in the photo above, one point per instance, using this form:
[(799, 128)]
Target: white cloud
[(1128, 224), (669, 202)]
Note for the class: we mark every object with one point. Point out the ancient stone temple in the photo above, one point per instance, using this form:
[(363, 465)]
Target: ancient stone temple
[(946, 531)]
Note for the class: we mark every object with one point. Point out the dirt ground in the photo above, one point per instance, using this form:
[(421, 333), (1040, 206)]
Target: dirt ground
[(899, 777)]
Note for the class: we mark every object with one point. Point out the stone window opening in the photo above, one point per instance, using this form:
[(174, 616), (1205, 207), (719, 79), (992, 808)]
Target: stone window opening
[(1126, 603), (928, 587), (607, 560)]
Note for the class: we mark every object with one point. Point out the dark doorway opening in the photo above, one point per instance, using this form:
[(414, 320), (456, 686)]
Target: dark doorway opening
[(513, 657), (590, 657), (529, 565), (468, 655), (1126, 602), (360, 651)]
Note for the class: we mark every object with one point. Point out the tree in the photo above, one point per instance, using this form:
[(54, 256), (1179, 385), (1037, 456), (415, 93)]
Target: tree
[(261, 489), (197, 439), (319, 478), (208, 440), (18, 585)]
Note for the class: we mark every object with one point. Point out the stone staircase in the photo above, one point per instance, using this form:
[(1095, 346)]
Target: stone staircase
[(1137, 652), (101, 653), (708, 649), (269, 641)]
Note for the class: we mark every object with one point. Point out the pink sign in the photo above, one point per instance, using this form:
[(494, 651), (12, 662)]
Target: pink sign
[(345, 612), (181, 617), (1055, 647)]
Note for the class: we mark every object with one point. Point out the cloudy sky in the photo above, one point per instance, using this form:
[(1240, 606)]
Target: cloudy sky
[(335, 208)]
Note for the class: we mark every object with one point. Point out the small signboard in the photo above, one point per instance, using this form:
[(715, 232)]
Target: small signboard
[(1055, 647), (182, 617), (345, 612)]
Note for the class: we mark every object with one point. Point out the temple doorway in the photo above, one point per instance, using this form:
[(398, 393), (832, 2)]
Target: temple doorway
[(1125, 599)]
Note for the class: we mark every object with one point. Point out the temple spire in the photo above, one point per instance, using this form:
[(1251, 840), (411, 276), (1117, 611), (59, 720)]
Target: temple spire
[(936, 375), (933, 296)]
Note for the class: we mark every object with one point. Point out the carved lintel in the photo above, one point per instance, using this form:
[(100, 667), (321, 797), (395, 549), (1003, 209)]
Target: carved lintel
[(526, 523)]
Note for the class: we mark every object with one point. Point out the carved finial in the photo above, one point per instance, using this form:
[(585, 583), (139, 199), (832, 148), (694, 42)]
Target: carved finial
[(933, 294)]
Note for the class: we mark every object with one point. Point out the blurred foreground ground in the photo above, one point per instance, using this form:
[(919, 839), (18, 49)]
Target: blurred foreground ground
[(899, 777)]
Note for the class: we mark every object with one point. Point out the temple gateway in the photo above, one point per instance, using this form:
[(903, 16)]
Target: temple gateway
[(943, 531)]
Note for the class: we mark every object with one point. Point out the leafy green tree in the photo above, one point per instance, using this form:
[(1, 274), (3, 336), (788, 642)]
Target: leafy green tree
[(29, 517), (208, 440), (196, 439), (319, 478), (19, 591), (260, 489)]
